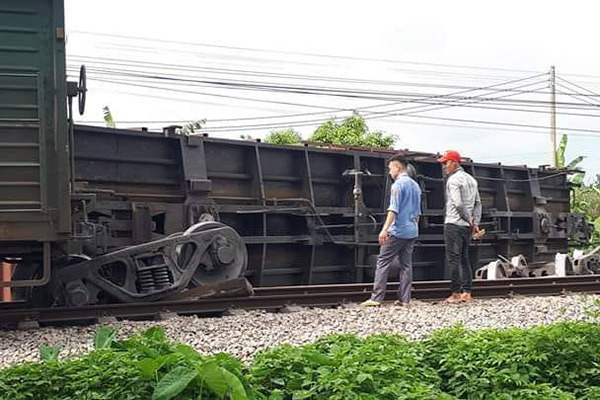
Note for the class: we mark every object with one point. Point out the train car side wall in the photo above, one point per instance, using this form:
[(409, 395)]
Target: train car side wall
[(295, 206), (34, 192)]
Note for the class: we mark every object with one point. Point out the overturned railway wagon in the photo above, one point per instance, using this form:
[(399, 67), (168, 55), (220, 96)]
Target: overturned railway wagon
[(307, 215), (92, 214)]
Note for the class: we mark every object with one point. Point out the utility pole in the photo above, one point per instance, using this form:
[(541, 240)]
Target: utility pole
[(553, 116)]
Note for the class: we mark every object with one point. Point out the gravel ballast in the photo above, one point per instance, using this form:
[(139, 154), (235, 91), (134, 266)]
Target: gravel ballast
[(245, 334)]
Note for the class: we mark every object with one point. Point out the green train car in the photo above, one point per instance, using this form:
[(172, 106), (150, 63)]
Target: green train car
[(34, 154)]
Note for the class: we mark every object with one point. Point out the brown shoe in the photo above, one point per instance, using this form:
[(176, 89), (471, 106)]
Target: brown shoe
[(466, 296), (454, 298), (401, 304)]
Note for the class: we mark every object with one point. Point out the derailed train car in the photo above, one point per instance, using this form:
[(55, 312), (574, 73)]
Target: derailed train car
[(93, 214), (307, 214)]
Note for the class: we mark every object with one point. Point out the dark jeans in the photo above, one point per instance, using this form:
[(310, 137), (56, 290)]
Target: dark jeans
[(457, 240)]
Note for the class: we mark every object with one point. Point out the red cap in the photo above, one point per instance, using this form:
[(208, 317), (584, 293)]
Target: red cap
[(450, 155)]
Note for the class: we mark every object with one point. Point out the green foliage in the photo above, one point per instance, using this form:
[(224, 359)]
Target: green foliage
[(108, 119), (192, 127), (144, 366), (100, 375), (560, 152), (352, 131), (556, 361), (573, 164), (104, 337), (346, 367), (560, 361), (585, 199), (284, 136), (49, 353), (174, 383)]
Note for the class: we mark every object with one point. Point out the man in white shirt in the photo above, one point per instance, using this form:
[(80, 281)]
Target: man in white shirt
[(463, 213)]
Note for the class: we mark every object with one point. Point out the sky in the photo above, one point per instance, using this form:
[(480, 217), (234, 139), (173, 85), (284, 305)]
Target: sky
[(414, 69)]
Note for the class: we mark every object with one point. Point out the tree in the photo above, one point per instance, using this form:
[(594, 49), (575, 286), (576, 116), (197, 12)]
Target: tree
[(284, 136), (352, 131)]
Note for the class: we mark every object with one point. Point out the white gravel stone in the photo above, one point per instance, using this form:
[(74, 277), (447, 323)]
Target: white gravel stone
[(244, 335)]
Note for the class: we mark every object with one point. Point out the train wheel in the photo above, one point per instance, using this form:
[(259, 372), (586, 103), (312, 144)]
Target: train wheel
[(226, 257), (76, 293)]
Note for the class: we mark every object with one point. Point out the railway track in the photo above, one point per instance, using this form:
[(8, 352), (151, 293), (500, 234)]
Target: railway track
[(273, 298)]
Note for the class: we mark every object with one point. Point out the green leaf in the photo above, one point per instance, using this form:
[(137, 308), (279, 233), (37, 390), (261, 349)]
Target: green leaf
[(49, 353), (575, 163), (149, 366), (560, 152), (108, 119), (577, 179), (318, 358), (187, 352), (103, 337), (155, 335), (192, 127), (174, 383), (221, 381), (361, 377)]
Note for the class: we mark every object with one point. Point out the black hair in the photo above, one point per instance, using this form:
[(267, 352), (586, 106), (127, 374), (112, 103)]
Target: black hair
[(399, 159)]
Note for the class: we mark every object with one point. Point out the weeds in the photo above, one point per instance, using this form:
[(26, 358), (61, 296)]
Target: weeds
[(559, 361)]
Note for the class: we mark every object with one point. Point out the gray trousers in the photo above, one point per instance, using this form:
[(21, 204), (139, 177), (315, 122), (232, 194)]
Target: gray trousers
[(394, 253)]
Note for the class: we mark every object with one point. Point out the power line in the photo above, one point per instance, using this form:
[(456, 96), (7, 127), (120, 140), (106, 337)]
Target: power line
[(580, 87), (316, 121), (242, 85), (229, 71), (254, 85), (356, 108), (325, 56)]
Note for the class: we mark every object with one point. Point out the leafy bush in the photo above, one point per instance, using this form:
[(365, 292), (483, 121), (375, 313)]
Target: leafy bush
[(585, 200), (98, 375), (346, 367), (563, 359), (285, 136), (352, 131), (145, 366), (560, 361)]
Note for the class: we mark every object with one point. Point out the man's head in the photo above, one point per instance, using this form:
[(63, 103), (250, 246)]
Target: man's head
[(450, 161), (396, 166)]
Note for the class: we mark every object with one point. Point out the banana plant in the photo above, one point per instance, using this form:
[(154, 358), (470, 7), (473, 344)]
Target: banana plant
[(573, 164)]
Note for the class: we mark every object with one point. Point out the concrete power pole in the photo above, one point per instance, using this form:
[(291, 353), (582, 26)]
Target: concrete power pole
[(553, 116)]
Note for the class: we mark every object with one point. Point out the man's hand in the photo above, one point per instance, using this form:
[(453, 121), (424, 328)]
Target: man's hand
[(383, 237), (474, 228)]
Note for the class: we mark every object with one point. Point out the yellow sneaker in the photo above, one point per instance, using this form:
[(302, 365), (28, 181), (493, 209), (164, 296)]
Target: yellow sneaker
[(370, 303)]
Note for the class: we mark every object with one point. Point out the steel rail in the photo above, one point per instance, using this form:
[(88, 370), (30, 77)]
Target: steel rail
[(273, 298)]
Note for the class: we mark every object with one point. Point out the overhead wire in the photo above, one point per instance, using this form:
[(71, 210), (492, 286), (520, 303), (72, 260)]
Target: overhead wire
[(384, 113), (324, 56)]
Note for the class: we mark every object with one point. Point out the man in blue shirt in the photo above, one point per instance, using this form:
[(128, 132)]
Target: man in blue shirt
[(397, 237)]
